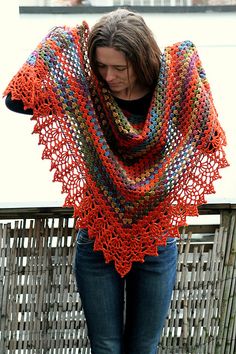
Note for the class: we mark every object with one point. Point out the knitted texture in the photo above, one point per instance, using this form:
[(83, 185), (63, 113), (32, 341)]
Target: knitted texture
[(130, 187)]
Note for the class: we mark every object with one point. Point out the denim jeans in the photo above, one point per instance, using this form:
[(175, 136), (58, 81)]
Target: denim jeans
[(124, 315)]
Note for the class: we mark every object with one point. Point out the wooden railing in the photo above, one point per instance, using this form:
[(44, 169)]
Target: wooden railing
[(40, 309)]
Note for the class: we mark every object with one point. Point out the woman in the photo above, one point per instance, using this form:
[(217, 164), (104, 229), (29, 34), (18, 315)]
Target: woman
[(134, 138)]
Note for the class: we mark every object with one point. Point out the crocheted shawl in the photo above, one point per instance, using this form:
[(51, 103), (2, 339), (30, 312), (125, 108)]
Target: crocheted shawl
[(131, 188)]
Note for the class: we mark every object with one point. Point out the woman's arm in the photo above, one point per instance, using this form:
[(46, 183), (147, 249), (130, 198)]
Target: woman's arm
[(17, 106)]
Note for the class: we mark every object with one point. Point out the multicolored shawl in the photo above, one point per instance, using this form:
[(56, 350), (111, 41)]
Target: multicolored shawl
[(130, 188)]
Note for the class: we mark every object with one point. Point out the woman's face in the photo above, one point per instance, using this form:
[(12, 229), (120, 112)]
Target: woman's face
[(116, 71)]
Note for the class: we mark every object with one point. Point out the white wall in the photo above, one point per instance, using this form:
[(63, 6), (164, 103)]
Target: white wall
[(25, 179)]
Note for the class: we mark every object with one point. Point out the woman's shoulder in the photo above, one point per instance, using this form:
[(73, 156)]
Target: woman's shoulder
[(63, 35), (181, 46)]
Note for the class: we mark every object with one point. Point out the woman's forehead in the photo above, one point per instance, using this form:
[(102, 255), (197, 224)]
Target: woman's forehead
[(110, 56)]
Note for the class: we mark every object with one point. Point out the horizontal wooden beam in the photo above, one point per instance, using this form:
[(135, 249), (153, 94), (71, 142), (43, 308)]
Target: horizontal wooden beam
[(49, 212)]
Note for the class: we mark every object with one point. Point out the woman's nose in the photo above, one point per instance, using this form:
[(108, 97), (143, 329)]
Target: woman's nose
[(109, 75)]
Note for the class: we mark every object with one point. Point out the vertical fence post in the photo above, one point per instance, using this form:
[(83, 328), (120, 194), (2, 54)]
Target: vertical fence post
[(227, 326)]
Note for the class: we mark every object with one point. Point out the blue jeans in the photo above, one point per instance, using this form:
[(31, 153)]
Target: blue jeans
[(133, 326)]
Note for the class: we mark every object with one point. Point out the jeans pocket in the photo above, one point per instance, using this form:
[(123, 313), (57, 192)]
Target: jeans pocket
[(170, 245), (83, 237), (170, 240)]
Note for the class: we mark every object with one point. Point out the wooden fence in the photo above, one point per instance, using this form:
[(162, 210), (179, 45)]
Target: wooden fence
[(40, 310)]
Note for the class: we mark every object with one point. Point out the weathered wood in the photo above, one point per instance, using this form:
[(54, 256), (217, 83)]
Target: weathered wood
[(228, 312), (40, 309), (55, 212)]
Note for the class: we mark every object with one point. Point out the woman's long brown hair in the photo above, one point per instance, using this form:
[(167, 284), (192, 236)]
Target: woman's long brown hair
[(127, 32)]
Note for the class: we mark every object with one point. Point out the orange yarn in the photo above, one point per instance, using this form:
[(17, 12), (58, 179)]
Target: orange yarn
[(131, 186)]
